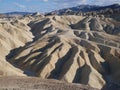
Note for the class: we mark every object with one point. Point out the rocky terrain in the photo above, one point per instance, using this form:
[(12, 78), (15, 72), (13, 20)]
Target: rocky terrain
[(69, 48)]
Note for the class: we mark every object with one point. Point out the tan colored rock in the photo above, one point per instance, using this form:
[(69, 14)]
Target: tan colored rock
[(73, 49)]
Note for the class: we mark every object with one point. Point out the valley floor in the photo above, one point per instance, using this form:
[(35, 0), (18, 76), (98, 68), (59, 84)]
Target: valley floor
[(32, 83)]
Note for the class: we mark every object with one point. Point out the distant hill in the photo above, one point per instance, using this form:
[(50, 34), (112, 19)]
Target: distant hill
[(84, 9), (18, 13)]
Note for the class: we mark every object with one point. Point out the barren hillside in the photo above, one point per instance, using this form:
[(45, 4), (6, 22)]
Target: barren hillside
[(70, 48)]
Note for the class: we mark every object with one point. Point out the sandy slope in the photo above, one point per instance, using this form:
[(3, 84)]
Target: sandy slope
[(13, 34), (69, 48)]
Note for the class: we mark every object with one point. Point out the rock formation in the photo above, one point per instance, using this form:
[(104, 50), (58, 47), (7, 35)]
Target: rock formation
[(72, 49)]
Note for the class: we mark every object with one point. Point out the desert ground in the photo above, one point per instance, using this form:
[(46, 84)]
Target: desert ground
[(70, 48)]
